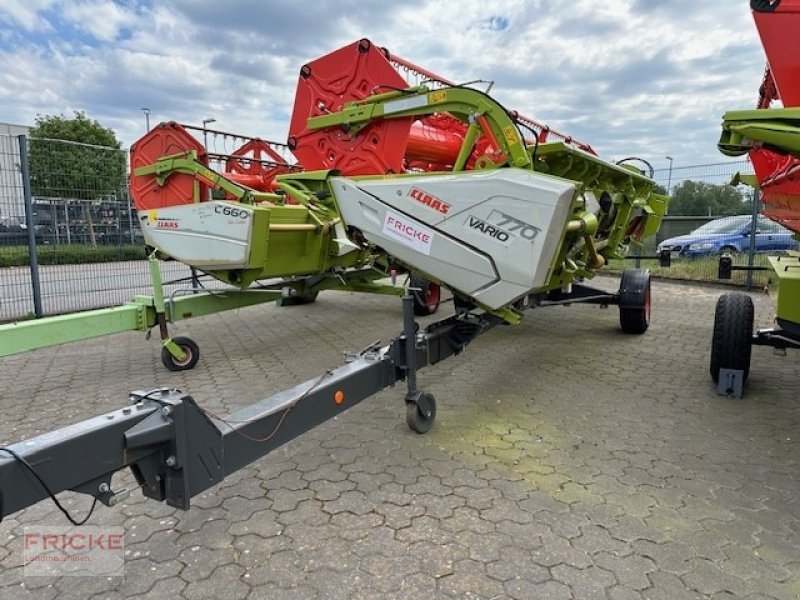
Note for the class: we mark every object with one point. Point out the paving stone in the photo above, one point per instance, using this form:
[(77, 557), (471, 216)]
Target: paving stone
[(142, 574), (470, 580), (748, 564), (283, 569), (708, 578), (555, 469), (213, 534), (261, 523), (590, 582), (225, 582), (631, 571), (555, 551), (200, 561), (520, 589), (672, 557)]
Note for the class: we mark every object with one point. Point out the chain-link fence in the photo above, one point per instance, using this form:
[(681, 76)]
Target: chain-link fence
[(696, 242), (69, 203)]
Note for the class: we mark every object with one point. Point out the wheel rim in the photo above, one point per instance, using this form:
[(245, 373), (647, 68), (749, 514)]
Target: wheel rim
[(432, 295), (185, 361)]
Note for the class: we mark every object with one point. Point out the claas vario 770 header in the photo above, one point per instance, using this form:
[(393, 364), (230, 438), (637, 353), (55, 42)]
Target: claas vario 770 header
[(389, 175), (437, 178)]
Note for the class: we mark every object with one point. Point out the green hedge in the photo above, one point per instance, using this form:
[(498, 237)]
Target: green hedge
[(17, 256)]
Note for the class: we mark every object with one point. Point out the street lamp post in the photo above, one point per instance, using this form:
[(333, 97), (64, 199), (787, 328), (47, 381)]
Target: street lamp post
[(669, 175), (205, 131), (146, 112)]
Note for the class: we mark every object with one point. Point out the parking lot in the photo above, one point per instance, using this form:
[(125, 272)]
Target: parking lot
[(568, 460)]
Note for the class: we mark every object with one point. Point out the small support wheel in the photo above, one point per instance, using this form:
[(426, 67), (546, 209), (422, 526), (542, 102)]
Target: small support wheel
[(731, 342), (299, 299), (420, 412), (427, 298), (189, 347), (308, 298), (634, 301)]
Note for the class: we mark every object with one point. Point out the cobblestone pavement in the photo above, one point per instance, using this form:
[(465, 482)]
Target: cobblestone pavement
[(567, 460)]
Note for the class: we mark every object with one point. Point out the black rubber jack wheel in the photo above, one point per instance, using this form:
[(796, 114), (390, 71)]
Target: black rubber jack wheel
[(421, 412), (427, 299), (191, 349), (299, 300), (731, 342), (306, 298), (634, 301), (729, 250)]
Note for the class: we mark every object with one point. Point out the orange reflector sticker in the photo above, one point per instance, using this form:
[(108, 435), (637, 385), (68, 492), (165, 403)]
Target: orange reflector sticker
[(338, 397)]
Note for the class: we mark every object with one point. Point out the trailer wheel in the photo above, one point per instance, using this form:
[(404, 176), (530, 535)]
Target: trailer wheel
[(306, 298), (299, 299), (428, 298), (634, 301), (421, 412), (731, 342), (191, 349)]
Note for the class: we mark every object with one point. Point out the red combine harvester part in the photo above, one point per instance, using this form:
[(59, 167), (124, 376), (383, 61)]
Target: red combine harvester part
[(350, 74), (255, 164), (165, 139), (778, 173), (430, 143), (779, 178), (354, 72), (778, 26), (543, 132)]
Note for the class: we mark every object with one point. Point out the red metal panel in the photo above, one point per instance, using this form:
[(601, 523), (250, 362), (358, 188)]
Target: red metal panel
[(164, 139), (325, 85), (780, 36), (433, 145), (779, 176), (255, 164)]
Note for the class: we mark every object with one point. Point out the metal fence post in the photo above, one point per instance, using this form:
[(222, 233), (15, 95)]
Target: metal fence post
[(751, 252), (30, 225)]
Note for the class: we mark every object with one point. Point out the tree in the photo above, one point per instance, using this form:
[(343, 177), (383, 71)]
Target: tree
[(75, 159), (700, 198), (91, 166)]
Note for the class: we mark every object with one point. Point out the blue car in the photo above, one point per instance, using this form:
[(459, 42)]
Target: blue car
[(731, 235)]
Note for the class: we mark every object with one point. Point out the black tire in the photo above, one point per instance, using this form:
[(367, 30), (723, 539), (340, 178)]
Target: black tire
[(191, 349), (308, 298), (731, 250), (299, 300), (731, 342), (420, 420), (427, 298), (634, 301)]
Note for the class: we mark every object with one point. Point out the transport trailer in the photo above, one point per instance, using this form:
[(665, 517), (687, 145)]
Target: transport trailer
[(176, 449)]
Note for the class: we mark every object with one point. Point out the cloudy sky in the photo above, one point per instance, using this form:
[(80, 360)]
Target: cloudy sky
[(631, 77)]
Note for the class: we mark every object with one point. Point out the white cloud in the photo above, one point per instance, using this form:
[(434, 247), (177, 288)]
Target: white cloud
[(629, 77), (101, 18), (26, 13)]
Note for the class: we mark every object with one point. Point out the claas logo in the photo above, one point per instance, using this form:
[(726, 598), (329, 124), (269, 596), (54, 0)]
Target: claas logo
[(429, 200)]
